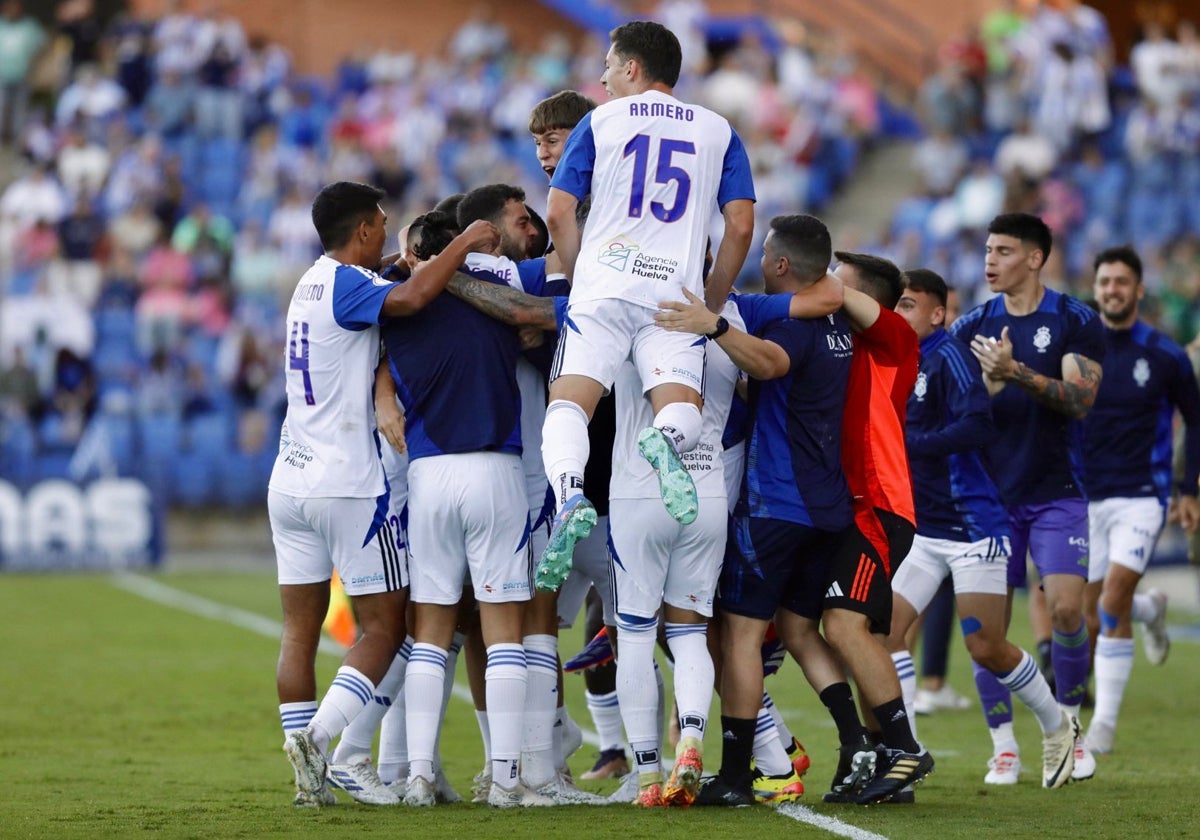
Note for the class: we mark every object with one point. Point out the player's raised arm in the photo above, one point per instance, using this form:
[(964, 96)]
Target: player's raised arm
[(504, 303), (731, 254), (564, 228), (430, 279), (1073, 395)]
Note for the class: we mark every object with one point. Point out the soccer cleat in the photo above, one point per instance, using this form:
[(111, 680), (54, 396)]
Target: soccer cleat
[(322, 798), (1003, 769), (650, 792), (1155, 641), (897, 771), (1085, 763), (420, 793), (443, 790), (307, 761), (674, 482), (564, 792), (628, 791), (684, 783), (609, 765), (717, 792), (928, 702), (572, 740), (1058, 753), (481, 784), (1099, 738), (399, 787), (775, 790), (362, 782), (517, 797), (908, 796), (799, 757), (574, 522), (856, 767), (595, 653)]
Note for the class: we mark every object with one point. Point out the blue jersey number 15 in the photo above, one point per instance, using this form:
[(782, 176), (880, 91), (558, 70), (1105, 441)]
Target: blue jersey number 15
[(664, 173)]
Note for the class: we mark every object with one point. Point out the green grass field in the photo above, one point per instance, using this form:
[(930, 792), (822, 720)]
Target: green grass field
[(129, 718)]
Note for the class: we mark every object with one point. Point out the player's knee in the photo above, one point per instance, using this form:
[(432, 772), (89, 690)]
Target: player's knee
[(985, 645), (1066, 616), (681, 422)]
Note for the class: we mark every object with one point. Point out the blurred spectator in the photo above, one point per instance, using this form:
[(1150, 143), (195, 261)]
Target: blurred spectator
[(77, 20), (91, 99), (292, 232), (136, 230), (171, 104), (82, 164), (80, 235), (21, 39), (202, 228), (257, 267), (19, 393), (222, 43), (129, 37), (160, 388), (1025, 154), (1158, 64), (948, 101), (480, 37), (73, 398), (174, 41), (940, 158), (33, 197)]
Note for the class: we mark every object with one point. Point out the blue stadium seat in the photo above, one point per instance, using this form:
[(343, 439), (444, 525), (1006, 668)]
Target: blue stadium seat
[(18, 450), (159, 437), (209, 441)]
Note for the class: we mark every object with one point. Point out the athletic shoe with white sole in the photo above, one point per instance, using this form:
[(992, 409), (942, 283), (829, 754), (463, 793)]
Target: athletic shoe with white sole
[(1099, 738), (1155, 641), (443, 790), (574, 522), (628, 791), (322, 798), (674, 481), (1085, 763), (564, 792), (517, 797), (1058, 753), (1003, 769), (481, 784), (362, 782), (927, 702), (420, 793), (307, 761)]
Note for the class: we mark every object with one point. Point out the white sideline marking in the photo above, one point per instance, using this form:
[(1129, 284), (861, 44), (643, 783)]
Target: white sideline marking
[(160, 593)]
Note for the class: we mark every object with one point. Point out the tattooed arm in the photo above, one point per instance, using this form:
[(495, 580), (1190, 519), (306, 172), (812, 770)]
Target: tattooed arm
[(1073, 395), (504, 303)]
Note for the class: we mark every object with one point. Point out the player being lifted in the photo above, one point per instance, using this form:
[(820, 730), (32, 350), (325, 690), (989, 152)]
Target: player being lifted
[(657, 169)]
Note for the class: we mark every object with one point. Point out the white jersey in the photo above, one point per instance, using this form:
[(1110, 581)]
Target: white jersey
[(327, 447), (632, 475), (658, 170)]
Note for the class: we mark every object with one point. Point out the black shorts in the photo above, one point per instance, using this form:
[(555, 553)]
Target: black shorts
[(770, 563), (858, 581), (890, 534)]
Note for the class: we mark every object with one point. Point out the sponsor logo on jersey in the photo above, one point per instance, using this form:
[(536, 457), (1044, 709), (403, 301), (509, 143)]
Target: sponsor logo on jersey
[(616, 252), (921, 388), (1141, 372), (1042, 339)]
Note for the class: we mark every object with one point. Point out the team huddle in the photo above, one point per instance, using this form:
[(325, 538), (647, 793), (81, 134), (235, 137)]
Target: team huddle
[(796, 471)]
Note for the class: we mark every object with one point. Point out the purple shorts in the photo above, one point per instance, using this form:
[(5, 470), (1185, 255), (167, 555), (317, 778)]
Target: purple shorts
[(1054, 533)]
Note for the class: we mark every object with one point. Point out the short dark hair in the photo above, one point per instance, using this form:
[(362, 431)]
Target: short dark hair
[(430, 233), (1122, 254), (881, 277), (449, 204), (805, 241), (539, 246), (563, 110), (653, 45), (487, 202), (341, 207), (929, 282), (1027, 227)]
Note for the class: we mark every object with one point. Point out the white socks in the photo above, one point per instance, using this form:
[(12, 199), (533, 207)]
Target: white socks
[(359, 735), (606, 717), (681, 423), (637, 690), (538, 765), (693, 677), (423, 685), (393, 734), (350, 692), (1031, 688), (769, 755), (296, 716), (907, 673), (507, 678), (565, 448), (1114, 662), (1003, 739)]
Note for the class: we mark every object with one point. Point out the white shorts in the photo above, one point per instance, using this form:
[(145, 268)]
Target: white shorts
[(734, 459), (395, 470), (656, 560), (1122, 531), (590, 567), (315, 536), (600, 335), (977, 568), (467, 514)]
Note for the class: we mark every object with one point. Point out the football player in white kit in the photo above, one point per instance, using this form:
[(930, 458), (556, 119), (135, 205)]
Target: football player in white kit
[(327, 496), (657, 169)]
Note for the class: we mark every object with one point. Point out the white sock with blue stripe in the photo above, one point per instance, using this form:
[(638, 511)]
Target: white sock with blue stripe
[(506, 678), (769, 755), (541, 710), (393, 734), (637, 690), (606, 717), (1031, 688), (423, 684), (296, 716), (349, 694), (456, 645), (359, 735), (694, 676), (907, 673), (1113, 665)]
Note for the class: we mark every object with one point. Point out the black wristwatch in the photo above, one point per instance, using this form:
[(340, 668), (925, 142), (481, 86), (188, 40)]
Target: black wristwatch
[(721, 329)]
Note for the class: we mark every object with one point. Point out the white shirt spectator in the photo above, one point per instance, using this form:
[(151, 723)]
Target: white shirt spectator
[(35, 197), (1157, 66), (1027, 154), (83, 166)]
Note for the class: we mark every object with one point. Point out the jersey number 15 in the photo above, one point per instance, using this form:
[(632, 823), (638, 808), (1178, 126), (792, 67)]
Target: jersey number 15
[(664, 173)]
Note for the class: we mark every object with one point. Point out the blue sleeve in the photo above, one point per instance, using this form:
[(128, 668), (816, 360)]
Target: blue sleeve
[(792, 336), (358, 297), (1185, 394), (965, 327), (560, 311), (736, 180), (759, 310), (574, 171), (1087, 338), (533, 276), (968, 408)]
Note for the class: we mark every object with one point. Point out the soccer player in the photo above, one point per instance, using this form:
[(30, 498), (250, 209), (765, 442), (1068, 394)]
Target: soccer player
[(1127, 466), (327, 488), (962, 529), (1040, 352), (657, 169)]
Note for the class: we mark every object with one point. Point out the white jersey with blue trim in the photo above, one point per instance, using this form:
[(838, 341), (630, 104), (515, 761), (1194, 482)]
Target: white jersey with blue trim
[(327, 447), (658, 170), (632, 475)]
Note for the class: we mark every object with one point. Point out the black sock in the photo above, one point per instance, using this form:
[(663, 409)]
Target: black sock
[(897, 732), (737, 749), (1043, 652), (840, 702)]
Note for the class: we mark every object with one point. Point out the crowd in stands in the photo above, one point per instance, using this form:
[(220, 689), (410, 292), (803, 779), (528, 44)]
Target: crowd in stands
[(158, 214)]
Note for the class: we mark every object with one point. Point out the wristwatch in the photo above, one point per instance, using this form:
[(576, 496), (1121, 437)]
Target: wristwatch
[(721, 328)]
